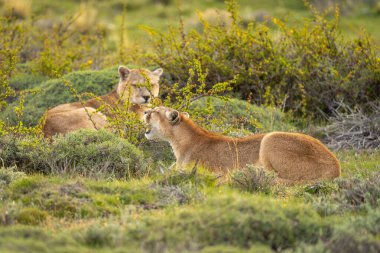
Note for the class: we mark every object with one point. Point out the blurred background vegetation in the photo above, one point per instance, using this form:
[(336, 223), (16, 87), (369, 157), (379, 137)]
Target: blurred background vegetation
[(107, 16)]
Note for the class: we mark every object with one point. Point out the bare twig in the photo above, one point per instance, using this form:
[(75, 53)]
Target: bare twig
[(353, 128)]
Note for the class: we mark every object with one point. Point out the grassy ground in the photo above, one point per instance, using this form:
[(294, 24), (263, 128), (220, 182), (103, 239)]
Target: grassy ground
[(183, 211)]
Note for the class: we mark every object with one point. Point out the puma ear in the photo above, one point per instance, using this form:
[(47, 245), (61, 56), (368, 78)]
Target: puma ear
[(123, 72), (158, 72), (173, 117), (186, 114)]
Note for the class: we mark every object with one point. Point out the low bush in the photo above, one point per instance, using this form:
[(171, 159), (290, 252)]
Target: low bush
[(29, 153), (357, 191), (53, 92), (254, 179), (235, 220), (234, 116), (23, 81), (8, 175), (86, 152), (97, 152), (357, 235), (11, 40), (349, 194), (304, 68)]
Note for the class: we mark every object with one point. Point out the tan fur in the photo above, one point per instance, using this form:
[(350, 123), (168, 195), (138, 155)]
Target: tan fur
[(65, 122), (295, 157), (137, 85)]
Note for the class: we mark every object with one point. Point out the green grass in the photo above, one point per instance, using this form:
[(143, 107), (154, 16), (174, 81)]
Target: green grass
[(354, 162), (183, 211)]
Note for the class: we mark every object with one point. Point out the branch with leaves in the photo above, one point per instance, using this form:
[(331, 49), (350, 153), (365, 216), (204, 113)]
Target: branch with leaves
[(196, 88)]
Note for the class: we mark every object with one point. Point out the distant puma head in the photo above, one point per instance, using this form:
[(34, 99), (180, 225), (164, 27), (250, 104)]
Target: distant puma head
[(139, 85), (161, 121)]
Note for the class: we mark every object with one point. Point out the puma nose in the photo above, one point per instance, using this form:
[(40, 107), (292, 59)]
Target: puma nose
[(146, 98)]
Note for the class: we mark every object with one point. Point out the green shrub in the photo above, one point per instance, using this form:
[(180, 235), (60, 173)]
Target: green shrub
[(86, 152), (358, 192), (254, 179), (235, 115), (11, 40), (8, 175), (96, 152), (23, 81), (53, 92), (29, 153), (350, 194), (234, 220), (303, 68), (357, 234)]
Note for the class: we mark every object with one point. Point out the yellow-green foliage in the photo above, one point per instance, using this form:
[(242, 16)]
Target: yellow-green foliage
[(233, 220), (237, 117), (11, 41), (54, 92), (302, 68), (31, 216), (64, 47), (88, 153), (8, 175)]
